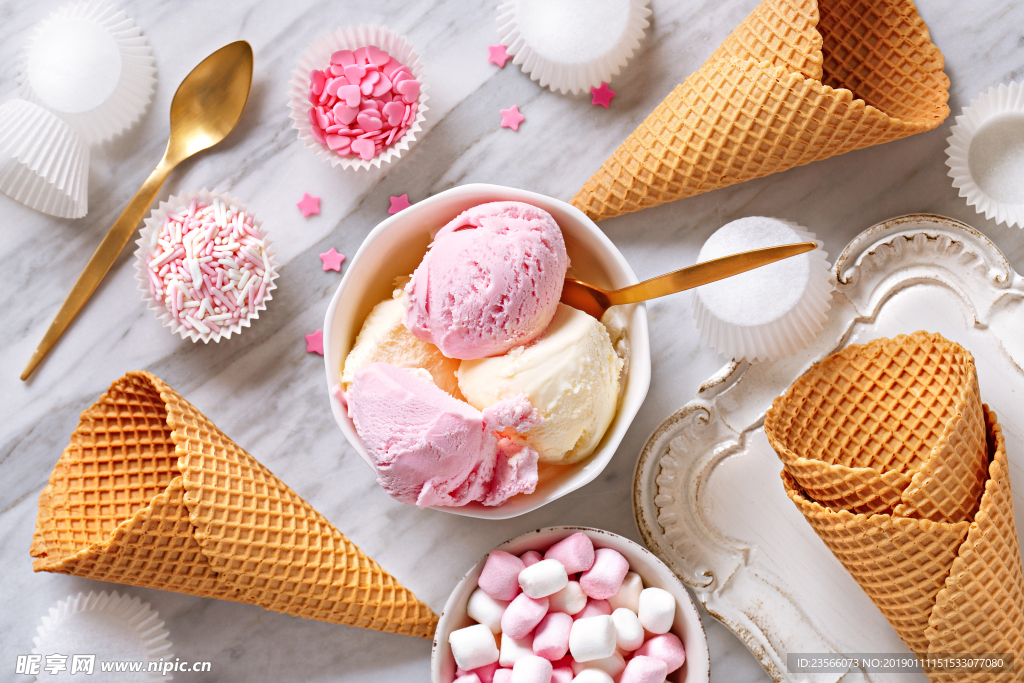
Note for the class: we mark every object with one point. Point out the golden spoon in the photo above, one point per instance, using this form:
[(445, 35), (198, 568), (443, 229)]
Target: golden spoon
[(204, 110), (595, 301)]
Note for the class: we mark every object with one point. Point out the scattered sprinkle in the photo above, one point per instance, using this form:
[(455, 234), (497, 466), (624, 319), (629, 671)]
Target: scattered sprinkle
[(602, 95), (332, 259), (399, 203), (315, 342), (497, 55), (309, 205), (511, 118)]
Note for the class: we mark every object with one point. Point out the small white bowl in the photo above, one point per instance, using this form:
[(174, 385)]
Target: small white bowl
[(652, 571), (395, 247)]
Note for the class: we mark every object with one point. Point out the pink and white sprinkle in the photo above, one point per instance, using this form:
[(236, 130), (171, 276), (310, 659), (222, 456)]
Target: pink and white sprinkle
[(209, 266)]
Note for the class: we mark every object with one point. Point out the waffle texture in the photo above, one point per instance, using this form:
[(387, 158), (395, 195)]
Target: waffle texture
[(794, 83), (150, 493)]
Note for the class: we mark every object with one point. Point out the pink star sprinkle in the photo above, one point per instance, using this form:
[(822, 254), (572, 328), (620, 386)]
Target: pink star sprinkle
[(309, 205), (497, 55), (602, 95), (399, 203), (511, 118), (315, 342), (332, 259)]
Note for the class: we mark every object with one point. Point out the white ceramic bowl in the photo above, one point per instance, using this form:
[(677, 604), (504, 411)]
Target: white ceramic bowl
[(395, 247), (652, 571)]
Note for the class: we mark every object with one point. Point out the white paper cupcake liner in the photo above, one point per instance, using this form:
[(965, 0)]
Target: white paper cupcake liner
[(112, 627), (783, 336), (43, 161), (65, 86), (991, 173), (572, 46), (147, 240), (318, 55)]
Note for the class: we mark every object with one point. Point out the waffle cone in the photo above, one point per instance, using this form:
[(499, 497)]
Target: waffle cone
[(893, 427), (792, 84), (150, 493)]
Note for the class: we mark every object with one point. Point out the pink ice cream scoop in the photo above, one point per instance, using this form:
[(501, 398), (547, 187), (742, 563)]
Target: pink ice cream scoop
[(430, 448), (490, 282)]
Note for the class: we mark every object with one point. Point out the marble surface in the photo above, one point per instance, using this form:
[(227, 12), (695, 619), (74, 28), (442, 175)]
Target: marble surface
[(266, 371)]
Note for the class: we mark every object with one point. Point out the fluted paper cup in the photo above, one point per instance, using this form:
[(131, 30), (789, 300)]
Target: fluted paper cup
[(148, 241), (572, 46), (986, 154), (730, 319), (90, 64), (43, 162), (318, 55)]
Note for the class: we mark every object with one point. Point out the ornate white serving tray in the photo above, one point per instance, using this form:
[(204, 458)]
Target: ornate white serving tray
[(707, 493)]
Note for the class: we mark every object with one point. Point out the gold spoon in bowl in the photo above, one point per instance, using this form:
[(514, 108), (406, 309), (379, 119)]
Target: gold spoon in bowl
[(206, 107), (595, 301)]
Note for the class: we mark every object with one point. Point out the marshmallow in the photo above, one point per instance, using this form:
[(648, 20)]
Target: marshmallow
[(594, 608), (551, 639), (570, 599), (562, 674), (628, 595), (484, 673), (473, 646), (604, 579), (644, 670), (523, 615), (543, 579), (657, 610), (531, 557), (576, 553), (502, 676), (532, 669), (592, 638), (499, 577), (629, 634), (468, 678), (512, 650), (612, 666), (668, 648), (486, 610), (593, 676)]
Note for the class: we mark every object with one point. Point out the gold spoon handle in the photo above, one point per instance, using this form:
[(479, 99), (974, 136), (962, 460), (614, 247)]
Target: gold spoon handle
[(703, 273), (102, 259)]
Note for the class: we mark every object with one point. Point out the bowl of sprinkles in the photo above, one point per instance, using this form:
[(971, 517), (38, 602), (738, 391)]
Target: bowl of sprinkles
[(204, 265), (357, 98)]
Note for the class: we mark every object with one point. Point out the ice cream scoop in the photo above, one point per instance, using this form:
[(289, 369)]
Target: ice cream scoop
[(490, 281), (570, 375), (429, 448)]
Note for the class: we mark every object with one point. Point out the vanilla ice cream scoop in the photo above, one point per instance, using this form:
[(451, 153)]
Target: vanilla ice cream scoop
[(570, 375)]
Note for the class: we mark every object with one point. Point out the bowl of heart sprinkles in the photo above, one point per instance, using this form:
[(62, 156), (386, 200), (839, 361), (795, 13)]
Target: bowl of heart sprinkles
[(204, 265), (357, 97)]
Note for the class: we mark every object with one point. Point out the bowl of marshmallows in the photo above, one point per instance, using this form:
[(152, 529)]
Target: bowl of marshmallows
[(570, 605)]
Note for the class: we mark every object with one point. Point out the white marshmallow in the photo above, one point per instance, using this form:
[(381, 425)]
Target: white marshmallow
[(629, 633), (593, 676), (532, 669), (473, 647), (486, 610), (570, 599), (512, 650), (613, 666), (629, 593), (544, 578), (592, 638), (657, 610)]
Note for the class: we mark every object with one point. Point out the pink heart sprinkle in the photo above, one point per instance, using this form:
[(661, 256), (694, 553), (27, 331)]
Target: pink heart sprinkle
[(313, 99), (395, 112), (383, 85), (368, 104), (390, 68), (317, 80), (312, 116), (344, 113), (321, 118), (343, 57), (318, 135), (386, 97), (409, 90), (332, 86), (360, 56), (337, 70), (339, 143), (377, 56), (364, 148), (367, 122), (354, 73), (402, 74), (349, 93), (371, 76)]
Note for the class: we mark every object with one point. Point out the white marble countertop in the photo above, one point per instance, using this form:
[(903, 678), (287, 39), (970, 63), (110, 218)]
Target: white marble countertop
[(563, 140)]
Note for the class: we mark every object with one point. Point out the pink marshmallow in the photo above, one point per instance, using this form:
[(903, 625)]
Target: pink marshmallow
[(531, 557), (668, 648), (603, 580), (562, 674), (644, 670), (594, 608), (551, 639), (502, 676), (532, 670), (522, 615), (484, 673), (468, 678), (500, 576), (575, 552)]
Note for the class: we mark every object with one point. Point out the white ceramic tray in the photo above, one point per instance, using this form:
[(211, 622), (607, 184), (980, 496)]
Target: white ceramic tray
[(707, 493)]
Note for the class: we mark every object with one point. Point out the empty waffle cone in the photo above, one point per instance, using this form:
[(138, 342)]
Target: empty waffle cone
[(894, 426), (150, 493), (946, 588), (792, 84)]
